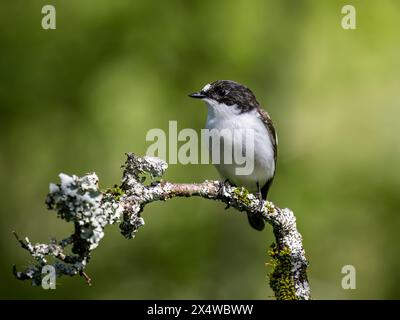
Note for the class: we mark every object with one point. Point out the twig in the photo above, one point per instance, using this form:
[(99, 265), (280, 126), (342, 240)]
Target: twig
[(79, 200)]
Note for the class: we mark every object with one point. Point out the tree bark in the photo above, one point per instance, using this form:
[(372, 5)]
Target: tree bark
[(79, 200)]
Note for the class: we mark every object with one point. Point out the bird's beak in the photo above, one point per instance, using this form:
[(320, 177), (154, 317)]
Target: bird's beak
[(197, 95)]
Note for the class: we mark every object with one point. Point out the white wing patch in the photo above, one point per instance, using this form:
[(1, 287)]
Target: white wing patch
[(206, 87)]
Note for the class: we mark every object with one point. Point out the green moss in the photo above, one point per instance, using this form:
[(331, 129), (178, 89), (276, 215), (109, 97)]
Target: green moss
[(280, 278), (242, 195), (116, 192), (270, 207)]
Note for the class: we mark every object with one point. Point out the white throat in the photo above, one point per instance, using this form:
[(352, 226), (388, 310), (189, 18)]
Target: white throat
[(220, 111)]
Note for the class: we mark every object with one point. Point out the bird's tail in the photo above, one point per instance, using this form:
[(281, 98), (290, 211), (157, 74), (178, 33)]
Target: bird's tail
[(256, 222)]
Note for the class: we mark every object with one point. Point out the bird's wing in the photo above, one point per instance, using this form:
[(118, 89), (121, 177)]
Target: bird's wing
[(271, 130), (264, 116)]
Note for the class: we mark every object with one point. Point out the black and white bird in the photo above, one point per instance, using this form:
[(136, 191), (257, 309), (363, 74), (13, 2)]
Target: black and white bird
[(234, 107)]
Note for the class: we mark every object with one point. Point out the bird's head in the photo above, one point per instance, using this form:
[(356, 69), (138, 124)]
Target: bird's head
[(227, 92)]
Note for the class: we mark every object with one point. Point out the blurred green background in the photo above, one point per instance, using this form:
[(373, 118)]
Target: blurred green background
[(75, 99)]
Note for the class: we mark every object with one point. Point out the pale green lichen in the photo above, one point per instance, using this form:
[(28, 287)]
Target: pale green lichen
[(116, 191), (270, 207), (281, 278), (242, 195), (79, 199)]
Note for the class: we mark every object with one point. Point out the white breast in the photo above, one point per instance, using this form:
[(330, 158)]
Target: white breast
[(221, 116)]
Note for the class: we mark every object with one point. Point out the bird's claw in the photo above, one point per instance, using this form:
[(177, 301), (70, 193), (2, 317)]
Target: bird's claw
[(261, 201), (261, 205)]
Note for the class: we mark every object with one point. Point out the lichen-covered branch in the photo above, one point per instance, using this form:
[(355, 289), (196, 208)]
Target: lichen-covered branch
[(79, 200)]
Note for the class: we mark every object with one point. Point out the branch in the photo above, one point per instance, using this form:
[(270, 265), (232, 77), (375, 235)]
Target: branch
[(79, 200)]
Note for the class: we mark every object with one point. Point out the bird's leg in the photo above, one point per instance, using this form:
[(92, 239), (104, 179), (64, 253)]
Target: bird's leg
[(260, 199)]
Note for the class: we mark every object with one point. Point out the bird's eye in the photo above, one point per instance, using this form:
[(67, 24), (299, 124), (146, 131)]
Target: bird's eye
[(222, 92)]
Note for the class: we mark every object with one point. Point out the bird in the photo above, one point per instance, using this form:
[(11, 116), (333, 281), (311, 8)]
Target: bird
[(234, 106)]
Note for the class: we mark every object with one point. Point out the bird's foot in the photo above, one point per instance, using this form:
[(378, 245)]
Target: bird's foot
[(228, 183), (261, 205), (225, 183), (261, 201)]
